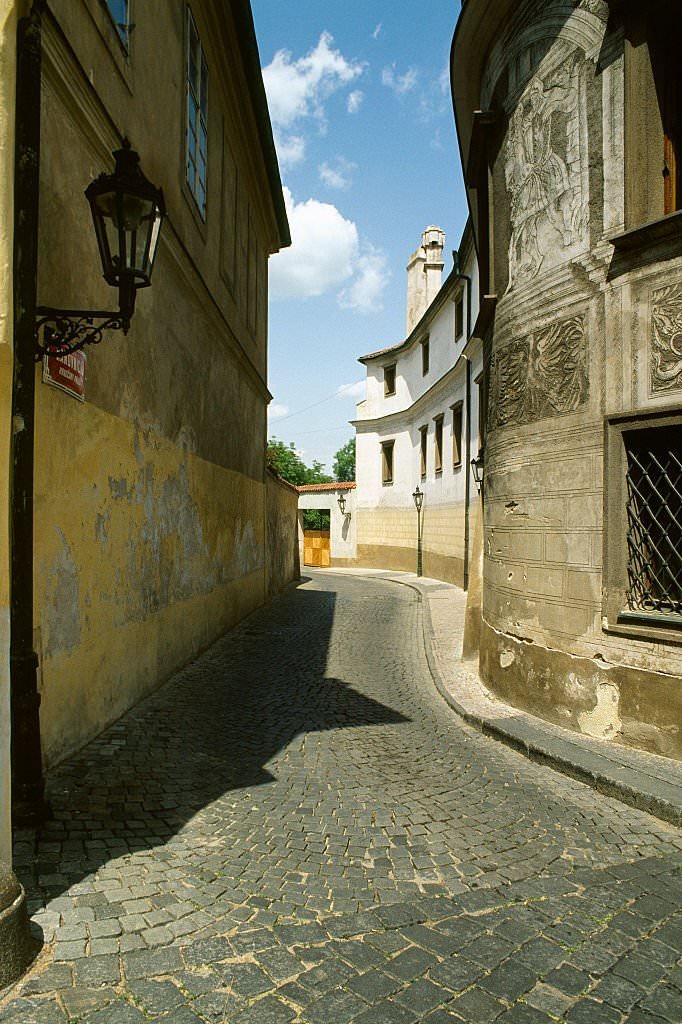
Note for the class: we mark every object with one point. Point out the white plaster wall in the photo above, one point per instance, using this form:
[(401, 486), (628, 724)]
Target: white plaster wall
[(343, 528)]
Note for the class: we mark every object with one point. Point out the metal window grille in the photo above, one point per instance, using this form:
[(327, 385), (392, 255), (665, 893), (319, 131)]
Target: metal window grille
[(654, 519)]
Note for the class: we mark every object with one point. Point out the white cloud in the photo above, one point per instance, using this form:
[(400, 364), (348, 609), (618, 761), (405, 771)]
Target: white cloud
[(323, 251), (277, 411), (297, 91), (400, 84), (372, 276), (326, 255), (338, 175), (355, 99), (377, 31), (290, 150), (357, 390)]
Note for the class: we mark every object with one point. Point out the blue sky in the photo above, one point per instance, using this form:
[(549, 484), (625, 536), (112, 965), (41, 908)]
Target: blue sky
[(360, 103)]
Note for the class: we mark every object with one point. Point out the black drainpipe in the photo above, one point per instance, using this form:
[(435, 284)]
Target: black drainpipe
[(467, 470), (28, 786)]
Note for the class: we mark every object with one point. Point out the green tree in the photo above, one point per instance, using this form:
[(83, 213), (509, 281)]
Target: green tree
[(344, 462), (286, 461), (316, 519)]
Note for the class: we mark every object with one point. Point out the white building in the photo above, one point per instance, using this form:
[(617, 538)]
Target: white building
[(419, 424)]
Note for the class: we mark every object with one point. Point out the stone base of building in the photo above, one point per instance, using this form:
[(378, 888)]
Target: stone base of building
[(448, 568), (16, 944), (635, 707)]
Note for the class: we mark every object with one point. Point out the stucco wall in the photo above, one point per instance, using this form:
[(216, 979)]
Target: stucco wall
[(342, 528), (282, 557), (579, 335), (151, 495), (8, 22)]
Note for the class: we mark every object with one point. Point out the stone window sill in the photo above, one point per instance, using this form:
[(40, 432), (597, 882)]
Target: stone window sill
[(636, 628), (663, 230)]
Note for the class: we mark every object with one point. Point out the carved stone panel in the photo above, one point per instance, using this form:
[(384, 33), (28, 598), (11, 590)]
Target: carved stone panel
[(666, 341), (540, 376), (543, 169)]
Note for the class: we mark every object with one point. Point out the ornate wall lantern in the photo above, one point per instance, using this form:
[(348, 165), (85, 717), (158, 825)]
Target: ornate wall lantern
[(342, 504), (127, 212), (477, 466)]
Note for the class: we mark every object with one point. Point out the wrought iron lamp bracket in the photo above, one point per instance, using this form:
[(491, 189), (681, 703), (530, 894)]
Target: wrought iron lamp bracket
[(68, 330)]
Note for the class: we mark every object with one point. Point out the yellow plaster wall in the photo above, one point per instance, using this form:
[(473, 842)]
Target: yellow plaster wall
[(9, 13), (387, 538), (142, 559)]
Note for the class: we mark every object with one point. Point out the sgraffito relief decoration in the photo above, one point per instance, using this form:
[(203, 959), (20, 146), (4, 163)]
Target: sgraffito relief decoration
[(666, 344), (540, 376), (543, 170)]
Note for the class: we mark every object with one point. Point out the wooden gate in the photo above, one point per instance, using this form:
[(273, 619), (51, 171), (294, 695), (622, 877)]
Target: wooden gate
[(316, 548)]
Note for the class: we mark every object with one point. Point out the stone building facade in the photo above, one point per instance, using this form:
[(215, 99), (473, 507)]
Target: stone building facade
[(569, 121), (419, 424)]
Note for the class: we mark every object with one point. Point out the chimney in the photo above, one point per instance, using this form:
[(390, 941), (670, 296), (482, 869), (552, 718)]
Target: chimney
[(424, 275)]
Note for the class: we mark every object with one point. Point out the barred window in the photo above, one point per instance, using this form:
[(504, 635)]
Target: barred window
[(654, 520), (642, 592), (197, 115)]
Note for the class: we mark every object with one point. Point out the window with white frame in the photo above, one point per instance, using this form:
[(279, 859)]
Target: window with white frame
[(197, 115)]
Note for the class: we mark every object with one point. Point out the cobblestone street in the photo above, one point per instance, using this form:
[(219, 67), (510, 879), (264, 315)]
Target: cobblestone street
[(298, 828)]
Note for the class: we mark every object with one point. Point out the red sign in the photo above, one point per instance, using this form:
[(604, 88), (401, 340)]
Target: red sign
[(66, 373)]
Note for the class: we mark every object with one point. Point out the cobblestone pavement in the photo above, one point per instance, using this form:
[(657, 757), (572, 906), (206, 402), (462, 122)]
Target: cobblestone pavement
[(297, 828)]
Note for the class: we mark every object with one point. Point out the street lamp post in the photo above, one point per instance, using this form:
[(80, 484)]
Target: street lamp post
[(127, 212), (418, 497)]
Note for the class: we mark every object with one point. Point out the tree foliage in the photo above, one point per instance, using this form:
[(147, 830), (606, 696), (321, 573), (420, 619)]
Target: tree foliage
[(316, 519), (286, 461), (344, 462)]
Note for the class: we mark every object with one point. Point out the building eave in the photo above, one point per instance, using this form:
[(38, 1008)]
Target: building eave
[(243, 18)]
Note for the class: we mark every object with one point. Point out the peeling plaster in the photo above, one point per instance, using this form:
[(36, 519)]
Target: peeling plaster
[(62, 607), (604, 721)]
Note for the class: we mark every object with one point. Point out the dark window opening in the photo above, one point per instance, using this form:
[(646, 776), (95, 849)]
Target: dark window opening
[(438, 445), (387, 461), (459, 317), (425, 357), (457, 435), (423, 432), (389, 380)]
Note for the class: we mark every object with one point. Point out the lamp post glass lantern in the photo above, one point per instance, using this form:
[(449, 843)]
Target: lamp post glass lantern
[(127, 213), (418, 498), (477, 469)]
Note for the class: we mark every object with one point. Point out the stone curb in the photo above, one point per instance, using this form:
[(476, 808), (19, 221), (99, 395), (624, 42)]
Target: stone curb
[(526, 735)]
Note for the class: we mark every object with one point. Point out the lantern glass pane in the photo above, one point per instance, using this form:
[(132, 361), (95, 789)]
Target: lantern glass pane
[(105, 216), (153, 241)]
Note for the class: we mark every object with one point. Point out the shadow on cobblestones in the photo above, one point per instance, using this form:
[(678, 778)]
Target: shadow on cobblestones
[(212, 729), (297, 830)]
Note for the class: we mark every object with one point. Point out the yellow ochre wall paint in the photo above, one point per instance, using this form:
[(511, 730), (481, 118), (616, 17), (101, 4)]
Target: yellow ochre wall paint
[(142, 560), (9, 14), (150, 497)]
